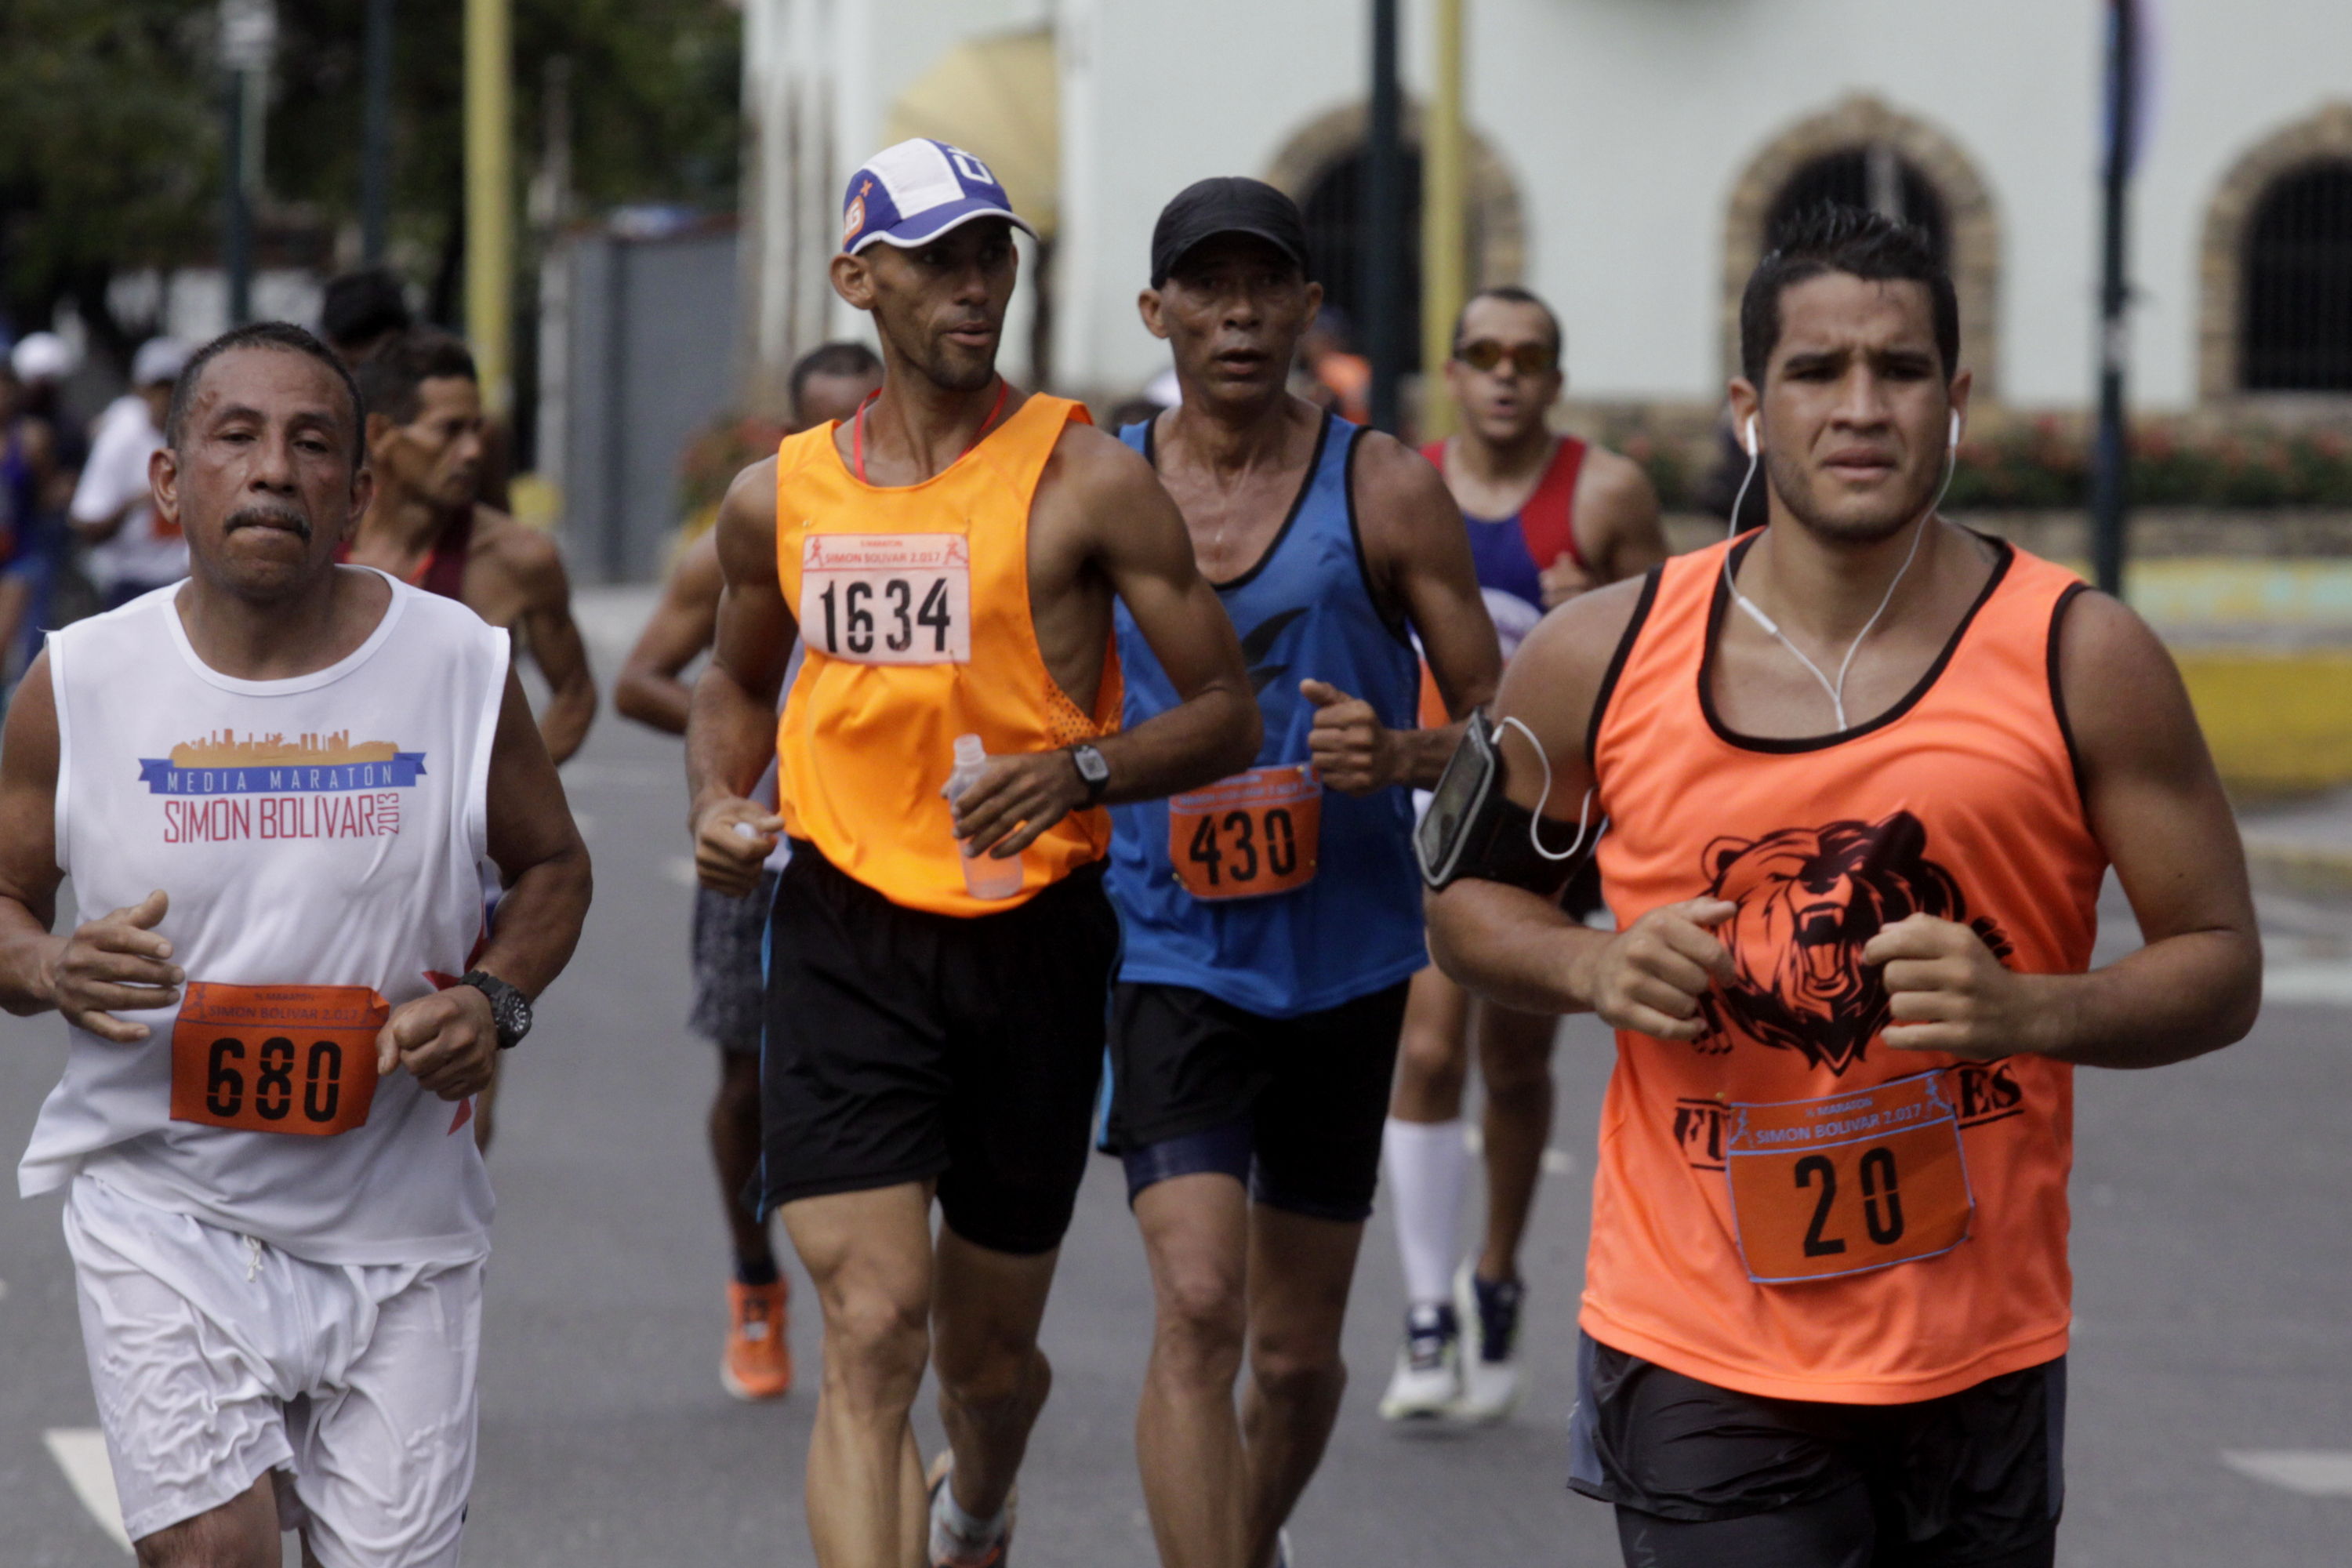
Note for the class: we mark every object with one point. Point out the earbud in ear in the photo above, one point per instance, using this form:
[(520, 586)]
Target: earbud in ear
[(1955, 441), (1749, 432)]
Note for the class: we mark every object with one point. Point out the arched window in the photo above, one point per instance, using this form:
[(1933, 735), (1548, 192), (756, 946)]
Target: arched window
[(1862, 152), (1875, 178), (1338, 243), (2297, 326)]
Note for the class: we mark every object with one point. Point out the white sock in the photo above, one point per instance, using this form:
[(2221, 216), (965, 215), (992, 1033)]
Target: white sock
[(969, 1531), (1426, 1163)]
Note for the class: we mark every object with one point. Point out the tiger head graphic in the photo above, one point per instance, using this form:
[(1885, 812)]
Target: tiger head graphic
[(1810, 900)]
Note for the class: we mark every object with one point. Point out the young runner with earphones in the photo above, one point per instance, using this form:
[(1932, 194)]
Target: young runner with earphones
[(1826, 1304)]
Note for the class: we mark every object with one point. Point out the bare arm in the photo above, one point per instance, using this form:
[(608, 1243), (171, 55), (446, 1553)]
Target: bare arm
[(450, 1040), (1617, 517), (730, 732), (1519, 949), (1137, 539), (28, 849), (1419, 551), (647, 689), (554, 642), (2156, 804)]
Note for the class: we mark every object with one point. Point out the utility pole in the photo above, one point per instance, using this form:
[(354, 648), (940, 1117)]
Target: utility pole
[(1445, 220), (1384, 223), (2110, 453), (490, 199), (375, 137), (249, 36)]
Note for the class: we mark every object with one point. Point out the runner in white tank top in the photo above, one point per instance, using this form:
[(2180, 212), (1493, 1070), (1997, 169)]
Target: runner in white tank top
[(272, 786)]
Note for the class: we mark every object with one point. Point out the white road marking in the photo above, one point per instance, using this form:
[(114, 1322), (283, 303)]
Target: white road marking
[(2313, 1472), (1555, 1162), (2308, 984), (80, 1453)]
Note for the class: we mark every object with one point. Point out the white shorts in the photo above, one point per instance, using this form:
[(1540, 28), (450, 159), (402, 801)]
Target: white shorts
[(218, 1359)]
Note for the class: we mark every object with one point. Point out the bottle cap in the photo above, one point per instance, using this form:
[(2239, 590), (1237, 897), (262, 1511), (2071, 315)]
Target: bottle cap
[(969, 750)]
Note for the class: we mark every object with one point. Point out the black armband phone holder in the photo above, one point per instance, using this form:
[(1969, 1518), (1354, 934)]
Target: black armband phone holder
[(1472, 830)]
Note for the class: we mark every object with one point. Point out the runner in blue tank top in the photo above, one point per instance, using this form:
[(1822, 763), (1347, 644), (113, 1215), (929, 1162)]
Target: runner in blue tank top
[(1273, 919)]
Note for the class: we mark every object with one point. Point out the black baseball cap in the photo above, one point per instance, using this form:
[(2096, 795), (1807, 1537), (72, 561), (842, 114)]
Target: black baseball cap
[(1227, 204)]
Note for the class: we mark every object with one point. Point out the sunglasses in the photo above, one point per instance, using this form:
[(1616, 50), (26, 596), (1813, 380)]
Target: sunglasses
[(1528, 359)]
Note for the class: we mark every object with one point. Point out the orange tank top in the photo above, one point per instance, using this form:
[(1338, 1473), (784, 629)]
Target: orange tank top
[(1788, 1207), (913, 604)]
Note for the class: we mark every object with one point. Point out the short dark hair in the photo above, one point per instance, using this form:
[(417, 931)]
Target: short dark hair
[(843, 358), (282, 336), (1512, 294), (393, 376), (1858, 242), (360, 307)]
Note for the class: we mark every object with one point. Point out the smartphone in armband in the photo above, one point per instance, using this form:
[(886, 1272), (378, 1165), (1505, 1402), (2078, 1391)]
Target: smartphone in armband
[(1461, 804)]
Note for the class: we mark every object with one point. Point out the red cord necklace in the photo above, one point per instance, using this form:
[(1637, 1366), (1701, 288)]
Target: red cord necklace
[(857, 429)]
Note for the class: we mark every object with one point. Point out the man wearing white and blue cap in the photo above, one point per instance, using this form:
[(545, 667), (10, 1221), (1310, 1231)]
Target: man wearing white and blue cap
[(939, 951)]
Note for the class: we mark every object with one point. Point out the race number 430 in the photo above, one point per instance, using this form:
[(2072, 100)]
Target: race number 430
[(887, 598)]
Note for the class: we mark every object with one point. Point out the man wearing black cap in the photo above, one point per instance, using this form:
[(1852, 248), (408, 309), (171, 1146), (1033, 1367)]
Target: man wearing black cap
[(1274, 919)]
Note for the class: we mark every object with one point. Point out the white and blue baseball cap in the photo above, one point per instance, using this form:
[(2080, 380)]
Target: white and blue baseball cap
[(911, 194)]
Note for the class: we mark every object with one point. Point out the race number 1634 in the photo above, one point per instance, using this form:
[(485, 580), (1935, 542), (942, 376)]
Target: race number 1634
[(887, 598)]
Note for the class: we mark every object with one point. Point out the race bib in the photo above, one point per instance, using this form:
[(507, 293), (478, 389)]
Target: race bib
[(887, 598), (275, 1058), (1249, 836), (1849, 1183)]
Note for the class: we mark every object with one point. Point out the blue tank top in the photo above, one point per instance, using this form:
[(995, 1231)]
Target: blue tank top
[(1306, 610)]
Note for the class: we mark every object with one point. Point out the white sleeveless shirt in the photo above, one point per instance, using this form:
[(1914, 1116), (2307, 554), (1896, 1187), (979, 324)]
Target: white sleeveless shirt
[(318, 839)]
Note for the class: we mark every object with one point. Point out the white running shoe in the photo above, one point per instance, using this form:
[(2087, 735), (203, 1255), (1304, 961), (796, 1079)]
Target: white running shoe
[(1490, 1316), (1428, 1379)]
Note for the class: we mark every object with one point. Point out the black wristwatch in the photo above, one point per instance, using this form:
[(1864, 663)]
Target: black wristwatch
[(1093, 772), (509, 1008)]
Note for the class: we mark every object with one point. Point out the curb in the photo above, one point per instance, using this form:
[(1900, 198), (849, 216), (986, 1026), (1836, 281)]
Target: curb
[(2279, 720)]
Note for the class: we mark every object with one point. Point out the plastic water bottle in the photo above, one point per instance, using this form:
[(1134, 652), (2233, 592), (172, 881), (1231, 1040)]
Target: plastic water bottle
[(984, 877)]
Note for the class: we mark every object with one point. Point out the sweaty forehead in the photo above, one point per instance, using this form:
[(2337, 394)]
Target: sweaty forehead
[(440, 396), (1507, 321), (1838, 312), (276, 382)]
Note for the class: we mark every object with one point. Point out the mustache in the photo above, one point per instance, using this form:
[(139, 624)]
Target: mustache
[(284, 517)]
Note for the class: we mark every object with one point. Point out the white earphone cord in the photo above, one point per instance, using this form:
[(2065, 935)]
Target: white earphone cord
[(1836, 688), (1583, 813)]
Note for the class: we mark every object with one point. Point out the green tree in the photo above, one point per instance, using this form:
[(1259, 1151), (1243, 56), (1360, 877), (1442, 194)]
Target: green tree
[(110, 130), (110, 150)]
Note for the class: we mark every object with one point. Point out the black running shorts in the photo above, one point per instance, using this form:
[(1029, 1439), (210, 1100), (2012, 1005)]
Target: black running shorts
[(1704, 1476), (904, 1046), (1312, 1093)]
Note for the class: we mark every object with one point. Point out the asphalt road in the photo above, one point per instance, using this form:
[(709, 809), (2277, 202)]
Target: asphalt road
[(2212, 1247)]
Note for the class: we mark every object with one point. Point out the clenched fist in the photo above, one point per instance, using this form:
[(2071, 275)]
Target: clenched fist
[(1649, 977)]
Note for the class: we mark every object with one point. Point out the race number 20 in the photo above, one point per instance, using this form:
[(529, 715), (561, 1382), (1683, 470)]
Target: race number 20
[(887, 598), (1852, 1183), (275, 1058)]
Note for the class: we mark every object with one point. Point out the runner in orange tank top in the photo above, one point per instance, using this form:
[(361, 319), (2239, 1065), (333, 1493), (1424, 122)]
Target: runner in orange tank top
[(1863, 772), (939, 969)]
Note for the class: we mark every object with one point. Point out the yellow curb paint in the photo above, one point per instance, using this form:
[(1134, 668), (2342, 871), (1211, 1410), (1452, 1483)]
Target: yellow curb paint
[(2277, 721)]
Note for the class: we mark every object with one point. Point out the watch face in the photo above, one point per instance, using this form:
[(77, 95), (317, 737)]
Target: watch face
[(1091, 765)]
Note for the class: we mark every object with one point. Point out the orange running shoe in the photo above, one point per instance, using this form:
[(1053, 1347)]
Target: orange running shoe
[(758, 1359)]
